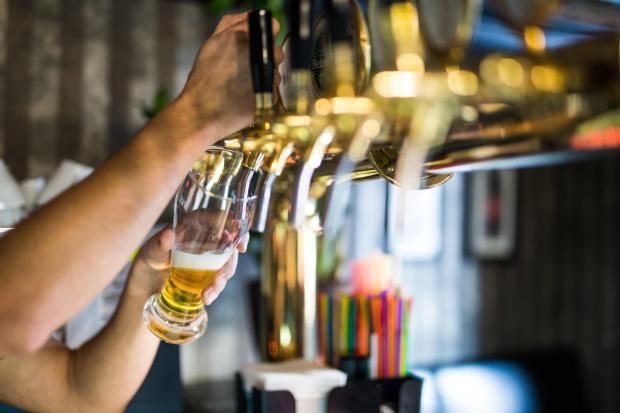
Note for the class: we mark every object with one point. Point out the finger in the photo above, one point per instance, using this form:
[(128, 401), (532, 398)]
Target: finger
[(211, 293), (220, 281), (275, 26), (166, 239), (237, 27), (226, 238), (219, 284), (276, 97), (156, 251), (243, 245), (242, 25), (230, 20), (208, 296), (228, 271), (277, 78), (278, 55)]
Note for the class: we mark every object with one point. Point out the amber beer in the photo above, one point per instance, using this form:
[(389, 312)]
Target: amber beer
[(189, 275), (180, 299)]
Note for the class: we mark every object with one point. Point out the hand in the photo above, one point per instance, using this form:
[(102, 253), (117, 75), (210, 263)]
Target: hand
[(219, 87), (211, 293), (151, 267)]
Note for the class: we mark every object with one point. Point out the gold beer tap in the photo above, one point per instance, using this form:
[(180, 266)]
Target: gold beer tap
[(265, 152), (319, 140), (530, 108), (270, 146), (421, 86), (288, 283), (530, 105), (347, 121), (330, 150), (317, 132), (506, 111), (430, 111)]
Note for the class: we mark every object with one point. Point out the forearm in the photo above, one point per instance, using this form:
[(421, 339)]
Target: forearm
[(108, 370), (71, 248), (101, 376)]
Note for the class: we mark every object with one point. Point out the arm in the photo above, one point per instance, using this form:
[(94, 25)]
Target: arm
[(56, 261), (105, 373)]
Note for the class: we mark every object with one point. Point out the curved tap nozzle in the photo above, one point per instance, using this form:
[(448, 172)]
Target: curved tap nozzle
[(534, 117), (264, 187), (341, 160), (327, 131), (303, 173), (277, 152), (420, 94), (255, 140)]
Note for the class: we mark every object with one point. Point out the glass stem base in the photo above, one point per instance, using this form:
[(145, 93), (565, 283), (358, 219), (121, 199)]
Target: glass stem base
[(172, 331)]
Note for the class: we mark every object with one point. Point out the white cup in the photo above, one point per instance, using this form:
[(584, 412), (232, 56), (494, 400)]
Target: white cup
[(12, 200), (11, 196), (66, 175), (31, 188)]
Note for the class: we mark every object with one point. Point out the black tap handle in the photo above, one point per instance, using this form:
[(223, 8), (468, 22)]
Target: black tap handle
[(339, 20), (298, 14), (261, 50)]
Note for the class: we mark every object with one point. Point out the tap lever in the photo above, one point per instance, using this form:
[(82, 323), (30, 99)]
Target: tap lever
[(339, 20), (299, 22), (261, 50)]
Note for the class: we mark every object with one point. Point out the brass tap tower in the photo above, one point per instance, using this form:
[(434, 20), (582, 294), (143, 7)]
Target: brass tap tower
[(430, 108)]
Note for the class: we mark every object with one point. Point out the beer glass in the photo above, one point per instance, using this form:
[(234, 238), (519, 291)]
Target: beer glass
[(212, 212)]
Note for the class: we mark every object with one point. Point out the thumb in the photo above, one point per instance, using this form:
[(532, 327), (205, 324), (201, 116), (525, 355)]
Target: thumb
[(156, 251)]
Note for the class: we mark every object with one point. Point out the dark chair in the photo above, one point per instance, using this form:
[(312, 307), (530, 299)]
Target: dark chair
[(161, 390)]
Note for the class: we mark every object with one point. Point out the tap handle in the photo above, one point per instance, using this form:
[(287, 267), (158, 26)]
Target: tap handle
[(298, 13), (339, 21), (261, 51)]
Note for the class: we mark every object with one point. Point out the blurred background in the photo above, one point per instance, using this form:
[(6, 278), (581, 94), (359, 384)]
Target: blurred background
[(515, 267)]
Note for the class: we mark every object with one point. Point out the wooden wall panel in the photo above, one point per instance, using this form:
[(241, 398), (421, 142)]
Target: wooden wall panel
[(167, 26), (4, 20), (95, 81), (120, 56), (562, 288), (76, 75), (17, 86), (44, 79), (610, 296), (70, 119), (546, 257), (143, 61)]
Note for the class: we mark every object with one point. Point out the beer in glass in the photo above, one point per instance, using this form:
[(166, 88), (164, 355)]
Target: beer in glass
[(212, 212)]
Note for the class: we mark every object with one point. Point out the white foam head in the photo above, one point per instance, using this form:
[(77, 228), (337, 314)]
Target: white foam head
[(206, 261)]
